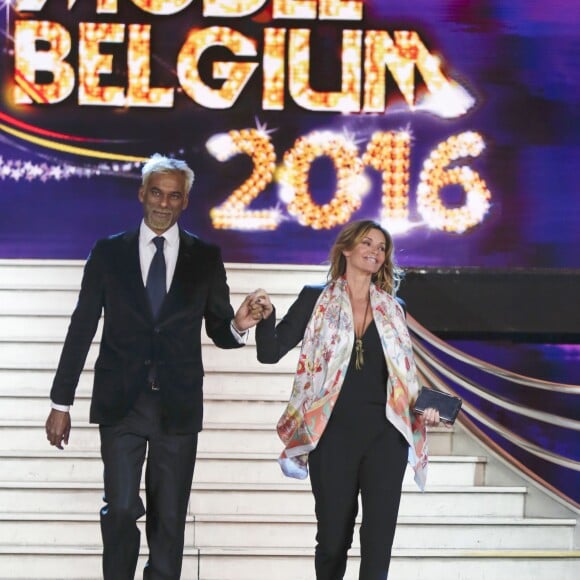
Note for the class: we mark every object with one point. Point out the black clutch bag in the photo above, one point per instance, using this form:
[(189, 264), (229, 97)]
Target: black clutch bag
[(447, 405)]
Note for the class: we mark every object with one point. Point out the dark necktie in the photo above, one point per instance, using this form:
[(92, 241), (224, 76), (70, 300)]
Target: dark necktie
[(156, 278)]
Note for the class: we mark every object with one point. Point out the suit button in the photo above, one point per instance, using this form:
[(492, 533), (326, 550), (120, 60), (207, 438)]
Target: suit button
[(156, 330), (147, 363)]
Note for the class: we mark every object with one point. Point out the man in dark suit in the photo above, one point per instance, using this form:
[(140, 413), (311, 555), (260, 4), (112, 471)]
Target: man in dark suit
[(155, 285)]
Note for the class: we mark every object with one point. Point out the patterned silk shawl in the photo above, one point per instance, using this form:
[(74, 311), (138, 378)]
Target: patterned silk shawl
[(323, 362)]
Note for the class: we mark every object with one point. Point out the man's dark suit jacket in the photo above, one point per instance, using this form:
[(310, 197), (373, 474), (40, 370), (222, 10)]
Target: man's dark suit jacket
[(132, 340)]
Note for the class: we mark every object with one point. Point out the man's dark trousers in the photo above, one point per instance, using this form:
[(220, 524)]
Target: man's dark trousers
[(169, 473)]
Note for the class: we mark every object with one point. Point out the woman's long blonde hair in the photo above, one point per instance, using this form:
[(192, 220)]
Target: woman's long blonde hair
[(388, 277)]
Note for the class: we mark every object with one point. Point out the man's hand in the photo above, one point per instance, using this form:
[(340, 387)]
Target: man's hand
[(245, 317), (58, 428), (255, 307), (260, 304)]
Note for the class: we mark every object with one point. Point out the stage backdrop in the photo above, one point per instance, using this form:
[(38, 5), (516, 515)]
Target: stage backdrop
[(455, 123)]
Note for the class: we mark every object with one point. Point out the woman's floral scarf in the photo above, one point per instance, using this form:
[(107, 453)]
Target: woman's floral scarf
[(324, 359)]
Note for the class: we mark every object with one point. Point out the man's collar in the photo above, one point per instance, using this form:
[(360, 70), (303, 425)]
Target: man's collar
[(146, 234)]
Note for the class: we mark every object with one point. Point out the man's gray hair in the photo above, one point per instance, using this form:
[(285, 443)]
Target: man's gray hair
[(158, 163)]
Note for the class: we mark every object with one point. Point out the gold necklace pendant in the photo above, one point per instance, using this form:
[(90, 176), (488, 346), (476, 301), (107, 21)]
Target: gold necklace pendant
[(359, 354), (358, 343)]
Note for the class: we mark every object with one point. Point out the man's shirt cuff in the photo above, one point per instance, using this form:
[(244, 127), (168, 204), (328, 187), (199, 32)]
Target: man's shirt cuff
[(241, 337)]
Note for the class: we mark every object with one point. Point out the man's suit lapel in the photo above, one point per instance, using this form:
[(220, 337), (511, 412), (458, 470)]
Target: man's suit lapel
[(187, 269), (131, 272)]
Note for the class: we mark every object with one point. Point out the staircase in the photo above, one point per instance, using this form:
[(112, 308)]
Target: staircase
[(477, 519)]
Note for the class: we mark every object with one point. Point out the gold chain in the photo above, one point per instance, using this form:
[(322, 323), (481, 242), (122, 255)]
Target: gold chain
[(358, 345)]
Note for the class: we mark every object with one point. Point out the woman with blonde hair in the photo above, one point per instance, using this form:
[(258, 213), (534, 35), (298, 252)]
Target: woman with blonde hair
[(349, 420)]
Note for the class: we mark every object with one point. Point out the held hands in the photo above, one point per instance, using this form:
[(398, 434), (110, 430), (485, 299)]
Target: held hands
[(255, 307), (260, 304), (58, 428)]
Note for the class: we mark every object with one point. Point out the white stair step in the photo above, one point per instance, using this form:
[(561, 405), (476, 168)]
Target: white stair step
[(39, 326), (223, 437), (216, 409), (39, 301), (215, 437), (271, 531), (44, 355), (47, 563), (58, 529), (61, 302), (245, 278), (31, 435), (239, 438), (296, 498), (42, 328), (261, 411), (274, 531), (260, 499), (266, 382), (52, 465), (43, 562), (262, 563), (40, 273)]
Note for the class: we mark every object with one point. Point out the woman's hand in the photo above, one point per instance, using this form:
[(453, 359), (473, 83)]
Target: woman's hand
[(245, 317), (255, 307), (260, 304), (431, 418)]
